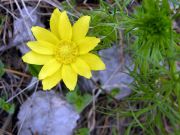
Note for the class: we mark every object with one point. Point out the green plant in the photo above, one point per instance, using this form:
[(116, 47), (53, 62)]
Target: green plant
[(34, 69), (155, 102), (104, 24), (80, 101), (1, 22), (1, 69), (82, 131), (10, 108), (154, 45)]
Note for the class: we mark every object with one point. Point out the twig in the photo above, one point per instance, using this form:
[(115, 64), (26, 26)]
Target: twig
[(105, 125), (7, 10), (10, 99), (27, 12), (68, 2), (92, 114), (121, 44), (85, 3), (10, 45), (35, 7), (24, 20), (16, 72), (4, 29), (53, 3), (6, 124), (5, 132)]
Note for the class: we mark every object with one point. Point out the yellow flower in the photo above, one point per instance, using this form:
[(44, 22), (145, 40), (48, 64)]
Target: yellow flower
[(63, 51)]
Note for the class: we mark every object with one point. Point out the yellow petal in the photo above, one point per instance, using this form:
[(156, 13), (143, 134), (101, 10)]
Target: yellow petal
[(87, 44), (54, 21), (69, 77), (82, 68), (65, 28), (52, 80), (42, 47), (35, 58), (94, 62), (49, 68), (80, 28), (42, 34)]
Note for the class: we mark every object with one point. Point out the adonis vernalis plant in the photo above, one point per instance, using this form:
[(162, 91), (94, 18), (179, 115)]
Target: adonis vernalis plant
[(156, 86), (155, 39), (64, 51)]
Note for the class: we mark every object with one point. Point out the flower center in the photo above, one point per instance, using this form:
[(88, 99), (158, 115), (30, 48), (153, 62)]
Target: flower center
[(66, 52)]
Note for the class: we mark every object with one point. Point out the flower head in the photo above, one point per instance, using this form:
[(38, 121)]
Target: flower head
[(64, 51)]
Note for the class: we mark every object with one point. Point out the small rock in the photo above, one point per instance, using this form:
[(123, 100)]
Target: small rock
[(113, 77), (46, 113)]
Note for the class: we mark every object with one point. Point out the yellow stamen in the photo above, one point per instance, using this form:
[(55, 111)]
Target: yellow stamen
[(66, 52)]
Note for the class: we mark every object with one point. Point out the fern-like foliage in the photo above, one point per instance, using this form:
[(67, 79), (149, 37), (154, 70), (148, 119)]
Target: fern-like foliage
[(154, 36)]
